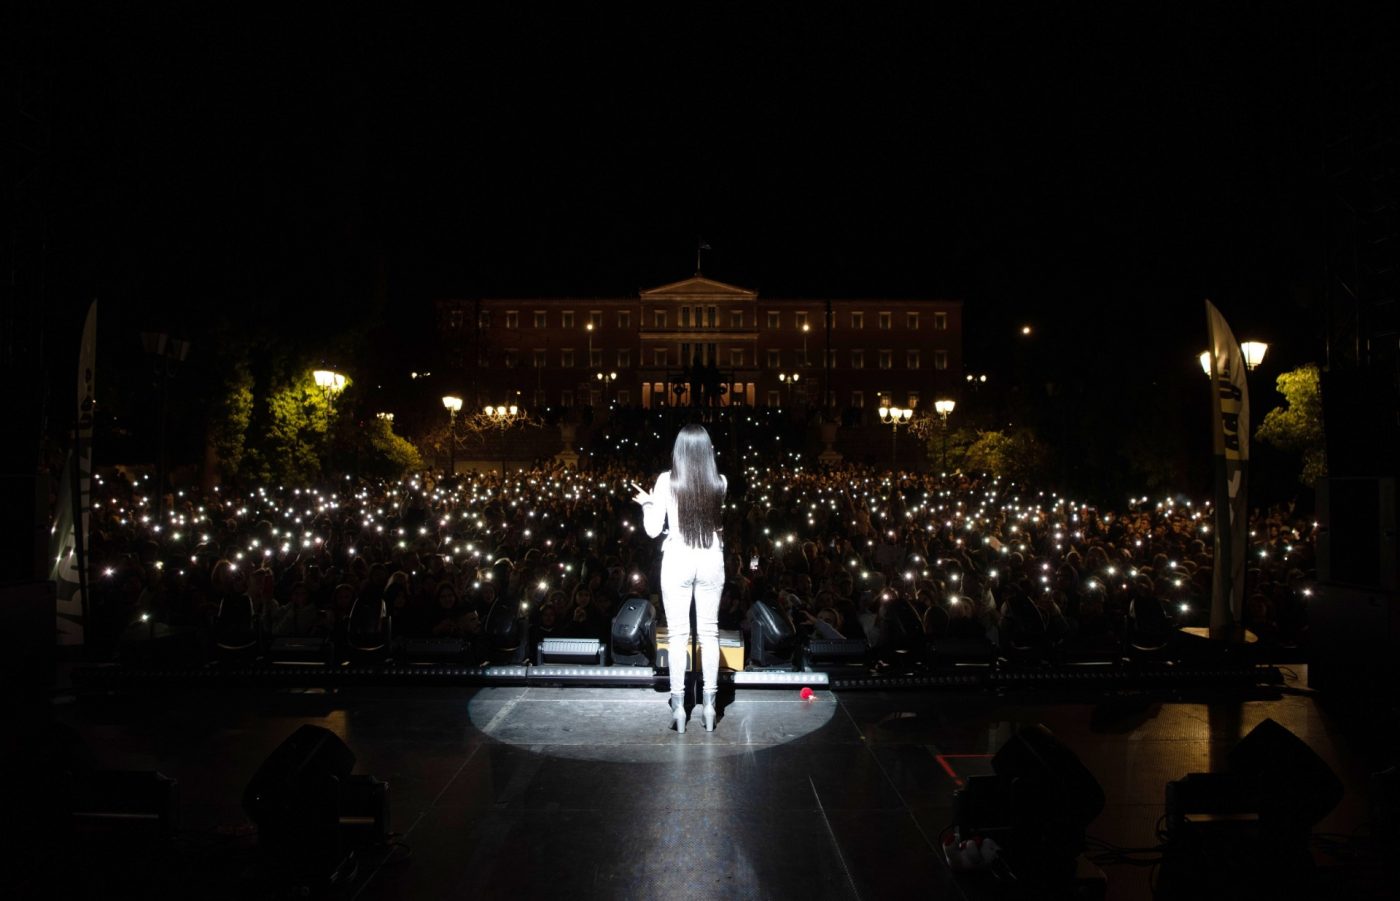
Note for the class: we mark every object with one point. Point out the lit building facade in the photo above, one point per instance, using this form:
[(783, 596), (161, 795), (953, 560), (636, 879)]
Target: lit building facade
[(700, 340)]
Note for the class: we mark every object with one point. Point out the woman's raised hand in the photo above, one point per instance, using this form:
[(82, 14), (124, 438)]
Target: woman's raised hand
[(642, 496)]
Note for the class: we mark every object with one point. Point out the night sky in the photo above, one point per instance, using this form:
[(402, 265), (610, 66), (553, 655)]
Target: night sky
[(1095, 172)]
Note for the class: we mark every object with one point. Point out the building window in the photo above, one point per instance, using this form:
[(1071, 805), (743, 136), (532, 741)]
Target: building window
[(659, 318), (624, 319), (940, 321), (595, 319), (774, 319), (566, 398), (512, 319), (454, 319), (540, 358), (483, 319), (566, 319), (886, 359), (541, 319), (539, 398), (831, 364), (886, 321), (857, 359), (736, 356), (913, 400), (911, 359), (624, 358), (775, 399), (801, 320), (512, 358), (658, 356), (624, 397), (685, 317), (858, 399), (911, 321), (595, 358), (712, 317), (566, 358), (940, 359), (857, 320), (775, 359), (736, 318)]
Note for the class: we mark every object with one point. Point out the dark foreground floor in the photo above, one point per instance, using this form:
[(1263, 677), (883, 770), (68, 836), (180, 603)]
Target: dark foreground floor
[(587, 793)]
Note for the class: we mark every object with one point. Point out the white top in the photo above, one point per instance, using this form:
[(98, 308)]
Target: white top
[(654, 516)]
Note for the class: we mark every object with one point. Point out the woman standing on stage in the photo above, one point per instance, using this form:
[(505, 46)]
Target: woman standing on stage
[(691, 498)]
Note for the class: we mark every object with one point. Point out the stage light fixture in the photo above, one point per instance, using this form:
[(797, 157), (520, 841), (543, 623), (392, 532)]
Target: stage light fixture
[(773, 641), (508, 633), (633, 634)]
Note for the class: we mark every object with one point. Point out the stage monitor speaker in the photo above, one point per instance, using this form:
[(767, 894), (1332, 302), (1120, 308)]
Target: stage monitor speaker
[(1034, 755), (1287, 780), (294, 798)]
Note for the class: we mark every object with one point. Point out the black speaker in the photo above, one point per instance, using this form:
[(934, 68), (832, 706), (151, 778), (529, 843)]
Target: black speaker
[(1033, 754), (1357, 540), (294, 798), (1284, 777)]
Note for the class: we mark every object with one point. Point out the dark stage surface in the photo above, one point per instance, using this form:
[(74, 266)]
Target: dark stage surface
[(587, 793)]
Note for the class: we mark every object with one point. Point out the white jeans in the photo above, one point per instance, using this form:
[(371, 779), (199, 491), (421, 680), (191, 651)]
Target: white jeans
[(685, 571)]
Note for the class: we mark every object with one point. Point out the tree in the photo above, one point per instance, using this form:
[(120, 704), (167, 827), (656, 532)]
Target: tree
[(294, 420), (1297, 425), (1017, 455), (389, 456), (228, 422)]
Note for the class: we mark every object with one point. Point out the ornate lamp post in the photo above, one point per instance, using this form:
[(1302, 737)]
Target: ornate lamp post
[(789, 379), (454, 406), (895, 417), (502, 417), (943, 407), (606, 378)]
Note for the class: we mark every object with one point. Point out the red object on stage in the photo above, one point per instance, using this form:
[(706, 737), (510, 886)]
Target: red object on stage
[(806, 693)]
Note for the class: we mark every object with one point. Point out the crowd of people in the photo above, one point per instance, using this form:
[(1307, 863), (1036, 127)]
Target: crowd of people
[(842, 552)]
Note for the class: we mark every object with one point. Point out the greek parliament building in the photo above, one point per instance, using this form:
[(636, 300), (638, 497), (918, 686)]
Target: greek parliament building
[(643, 350)]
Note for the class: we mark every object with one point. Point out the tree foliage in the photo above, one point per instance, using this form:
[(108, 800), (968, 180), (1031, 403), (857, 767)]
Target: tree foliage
[(389, 456), (1016, 454), (295, 419), (1297, 425), (229, 417)]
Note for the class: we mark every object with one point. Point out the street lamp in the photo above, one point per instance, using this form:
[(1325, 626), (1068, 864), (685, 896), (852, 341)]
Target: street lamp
[(454, 406), (943, 407), (789, 379), (502, 417), (331, 384), (589, 328), (894, 417), (1253, 353), (805, 329), (606, 378)]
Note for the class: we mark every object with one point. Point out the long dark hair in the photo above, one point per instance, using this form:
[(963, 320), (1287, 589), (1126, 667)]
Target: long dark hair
[(696, 483)]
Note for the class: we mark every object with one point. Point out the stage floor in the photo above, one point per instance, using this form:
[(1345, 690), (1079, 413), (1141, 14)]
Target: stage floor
[(588, 793)]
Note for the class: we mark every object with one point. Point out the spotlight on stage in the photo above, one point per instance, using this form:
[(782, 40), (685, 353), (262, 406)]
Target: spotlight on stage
[(634, 634), (773, 640), (507, 633), (314, 818), (1036, 807)]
